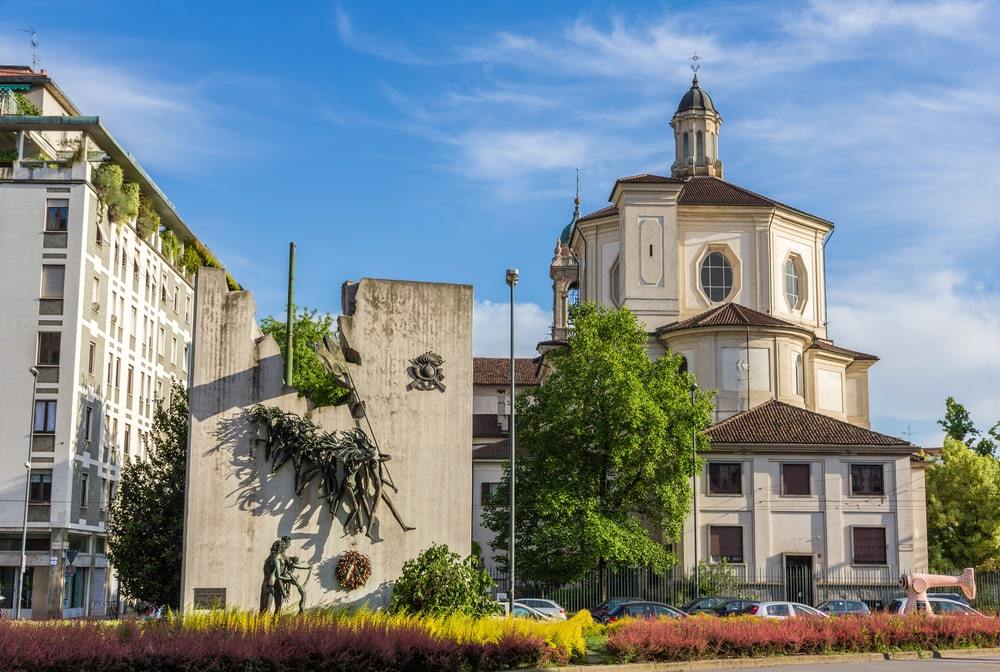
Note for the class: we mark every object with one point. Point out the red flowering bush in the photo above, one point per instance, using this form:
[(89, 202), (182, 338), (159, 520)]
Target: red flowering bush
[(289, 646), (704, 637)]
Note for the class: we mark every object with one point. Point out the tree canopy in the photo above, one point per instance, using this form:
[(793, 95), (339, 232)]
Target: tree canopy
[(604, 454), (963, 509), (958, 424), (308, 375), (146, 521)]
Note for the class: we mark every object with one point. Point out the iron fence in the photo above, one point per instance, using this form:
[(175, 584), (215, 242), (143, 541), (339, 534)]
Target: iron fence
[(876, 587)]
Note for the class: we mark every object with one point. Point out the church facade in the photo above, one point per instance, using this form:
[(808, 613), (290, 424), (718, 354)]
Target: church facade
[(735, 282)]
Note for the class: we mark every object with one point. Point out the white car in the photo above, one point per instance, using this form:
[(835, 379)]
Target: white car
[(782, 610), (524, 611), (939, 605), (551, 609)]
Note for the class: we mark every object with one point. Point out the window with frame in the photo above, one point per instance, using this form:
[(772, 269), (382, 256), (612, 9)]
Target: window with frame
[(40, 490), (725, 543), (725, 478), (57, 214), (53, 281), (48, 348), (867, 480), (88, 422), (794, 275), (795, 480), (716, 276), (486, 491), (615, 283), (84, 483), (92, 358), (869, 545), (95, 290), (800, 375), (45, 416)]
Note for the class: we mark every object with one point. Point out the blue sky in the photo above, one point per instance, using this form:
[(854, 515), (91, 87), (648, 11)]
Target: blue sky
[(438, 141)]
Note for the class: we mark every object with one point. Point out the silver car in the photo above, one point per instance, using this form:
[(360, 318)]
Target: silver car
[(781, 610), (548, 607), (938, 605)]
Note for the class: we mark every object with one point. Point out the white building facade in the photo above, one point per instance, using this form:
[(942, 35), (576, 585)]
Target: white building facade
[(104, 314), (735, 282)]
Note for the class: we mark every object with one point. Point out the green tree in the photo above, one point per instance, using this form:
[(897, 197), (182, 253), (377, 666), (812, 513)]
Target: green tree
[(308, 375), (963, 508), (439, 581), (146, 522), (605, 455), (957, 423)]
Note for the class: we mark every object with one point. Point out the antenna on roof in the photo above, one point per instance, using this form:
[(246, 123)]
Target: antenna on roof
[(34, 46), (695, 64)]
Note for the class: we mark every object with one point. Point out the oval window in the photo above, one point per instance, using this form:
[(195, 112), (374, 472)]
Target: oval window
[(716, 277), (793, 283)]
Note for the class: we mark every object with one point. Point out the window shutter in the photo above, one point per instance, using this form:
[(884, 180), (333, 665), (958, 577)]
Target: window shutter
[(795, 479), (869, 545)]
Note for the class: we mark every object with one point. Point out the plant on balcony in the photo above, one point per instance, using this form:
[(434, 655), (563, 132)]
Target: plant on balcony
[(170, 247), (25, 106), (191, 261), (130, 208), (148, 221), (8, 155)]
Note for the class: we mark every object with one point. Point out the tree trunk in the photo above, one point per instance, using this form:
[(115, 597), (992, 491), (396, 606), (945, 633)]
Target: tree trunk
[(602, 579)]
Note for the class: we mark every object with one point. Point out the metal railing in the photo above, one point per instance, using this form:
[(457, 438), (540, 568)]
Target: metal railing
[(875, 586)]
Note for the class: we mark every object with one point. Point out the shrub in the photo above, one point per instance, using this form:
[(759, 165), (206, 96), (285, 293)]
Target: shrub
[(707, 637), (439, 581), (148, 221), (285, 645)]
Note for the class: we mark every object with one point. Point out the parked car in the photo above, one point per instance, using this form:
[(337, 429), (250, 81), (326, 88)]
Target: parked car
[(781, 610), (601, 611), (938, 605), (732, 607), (957, 597), (551, 609), (640, 609), (524, 611), (705, 605), (844, 607)]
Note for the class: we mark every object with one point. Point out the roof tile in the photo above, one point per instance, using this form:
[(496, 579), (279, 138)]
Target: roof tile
[(496, 371), (727, 315), (775, 422)]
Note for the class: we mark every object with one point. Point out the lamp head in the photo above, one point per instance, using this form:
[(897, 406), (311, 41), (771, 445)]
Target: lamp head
[(512, 275), (33, 371)]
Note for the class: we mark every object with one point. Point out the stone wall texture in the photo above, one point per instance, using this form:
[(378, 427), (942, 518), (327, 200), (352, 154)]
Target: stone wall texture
[(236, 507)]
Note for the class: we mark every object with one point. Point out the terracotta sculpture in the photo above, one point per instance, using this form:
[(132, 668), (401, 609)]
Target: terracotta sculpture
[(916, 586)]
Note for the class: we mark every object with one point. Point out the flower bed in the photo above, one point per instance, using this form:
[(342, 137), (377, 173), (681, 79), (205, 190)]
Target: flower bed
[(290, 645), (706, 637)]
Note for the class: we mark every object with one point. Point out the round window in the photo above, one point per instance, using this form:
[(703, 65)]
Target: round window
[(793, 283), (716, 277)]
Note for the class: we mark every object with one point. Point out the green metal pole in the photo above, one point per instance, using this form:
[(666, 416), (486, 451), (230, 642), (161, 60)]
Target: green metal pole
[(289, 336)]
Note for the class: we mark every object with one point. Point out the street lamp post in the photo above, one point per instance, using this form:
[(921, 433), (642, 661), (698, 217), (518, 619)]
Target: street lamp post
[(27, 495), (694, 491), (512, 275)]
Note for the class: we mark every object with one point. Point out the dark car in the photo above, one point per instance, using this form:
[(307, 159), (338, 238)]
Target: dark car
[(844, 607), (733, 607), (642, 610), (954, 597), (604, 608), (705, 604)]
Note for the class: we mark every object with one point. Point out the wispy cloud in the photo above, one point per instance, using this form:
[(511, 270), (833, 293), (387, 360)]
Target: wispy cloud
[(491, 328)]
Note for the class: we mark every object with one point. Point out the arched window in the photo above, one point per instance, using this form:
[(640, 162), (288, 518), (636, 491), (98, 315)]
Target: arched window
[(699, 141), (683, 368), (573, 296), (615, 283), (794, 283), (800, 375), (716, 277), (687, 145)]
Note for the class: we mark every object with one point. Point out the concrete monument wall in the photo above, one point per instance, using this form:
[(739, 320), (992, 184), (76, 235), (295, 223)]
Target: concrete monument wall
[(236, 508)]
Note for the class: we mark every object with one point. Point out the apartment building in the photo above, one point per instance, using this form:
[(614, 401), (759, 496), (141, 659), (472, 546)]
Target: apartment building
[(98, 302)]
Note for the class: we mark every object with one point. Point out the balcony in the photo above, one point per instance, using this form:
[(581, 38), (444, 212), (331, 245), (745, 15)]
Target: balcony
[(31, 169), (47, 373)]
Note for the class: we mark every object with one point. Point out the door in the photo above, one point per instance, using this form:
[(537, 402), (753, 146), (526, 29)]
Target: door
[(799, 579)]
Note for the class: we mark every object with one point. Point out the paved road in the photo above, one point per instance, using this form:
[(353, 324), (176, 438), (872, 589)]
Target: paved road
[(931, 665)]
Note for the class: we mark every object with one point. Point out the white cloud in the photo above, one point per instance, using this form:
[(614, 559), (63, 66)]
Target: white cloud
[(504, 154), (937, 333), (491, 328)]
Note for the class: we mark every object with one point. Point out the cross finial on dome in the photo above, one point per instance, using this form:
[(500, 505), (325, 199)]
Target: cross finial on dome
[(695, 64), (577, 199)]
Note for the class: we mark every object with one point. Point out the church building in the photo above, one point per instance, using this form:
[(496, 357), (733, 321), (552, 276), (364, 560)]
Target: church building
[(735, 282)]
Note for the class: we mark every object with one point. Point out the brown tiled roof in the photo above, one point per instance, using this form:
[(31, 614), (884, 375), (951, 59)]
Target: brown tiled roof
[(645, 178), (494, 451), (775, 422), (496, 371), (727, 315), (486, 424), (821, 344), (713, 191), (597, 214)]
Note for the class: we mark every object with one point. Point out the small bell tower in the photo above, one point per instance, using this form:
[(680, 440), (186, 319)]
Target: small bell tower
[(565, 273), (696, 132)]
